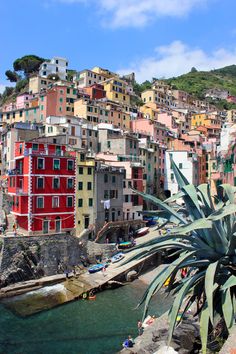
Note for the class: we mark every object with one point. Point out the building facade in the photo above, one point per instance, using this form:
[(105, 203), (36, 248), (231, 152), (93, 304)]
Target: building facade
[(42, 186)]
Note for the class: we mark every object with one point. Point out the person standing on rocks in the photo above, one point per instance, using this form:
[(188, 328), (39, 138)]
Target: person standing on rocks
[(140, 328)]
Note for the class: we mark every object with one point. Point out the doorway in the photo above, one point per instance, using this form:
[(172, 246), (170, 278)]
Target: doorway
[(58, 224), (45, 226)]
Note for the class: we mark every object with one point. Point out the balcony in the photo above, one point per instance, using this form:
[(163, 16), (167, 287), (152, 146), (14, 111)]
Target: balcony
[(42, 152), (14, 172), (21, 192)]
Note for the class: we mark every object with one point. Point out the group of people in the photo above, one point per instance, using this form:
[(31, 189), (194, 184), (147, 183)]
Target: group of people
[(129, 342)]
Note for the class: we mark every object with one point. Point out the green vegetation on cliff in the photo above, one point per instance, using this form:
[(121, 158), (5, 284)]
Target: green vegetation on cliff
[(197, 82)]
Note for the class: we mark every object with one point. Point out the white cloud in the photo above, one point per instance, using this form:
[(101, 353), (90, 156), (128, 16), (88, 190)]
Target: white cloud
[(177, 58), (138, 13)]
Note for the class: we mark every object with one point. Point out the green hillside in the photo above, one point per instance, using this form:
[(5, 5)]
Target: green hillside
[(197, 82)]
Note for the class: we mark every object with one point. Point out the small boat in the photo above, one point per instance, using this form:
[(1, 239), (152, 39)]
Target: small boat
[(141, 232), (127, 244), (150, 220), (92, 297), (97, 267), (117, 257)]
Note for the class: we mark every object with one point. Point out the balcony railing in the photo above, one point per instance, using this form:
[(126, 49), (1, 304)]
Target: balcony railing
[(20, 191), (14, 172), (42, 152)]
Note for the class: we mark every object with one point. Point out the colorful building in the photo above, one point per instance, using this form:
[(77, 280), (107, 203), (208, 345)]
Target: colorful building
[(42, 186), (116, 91), (85, 191)]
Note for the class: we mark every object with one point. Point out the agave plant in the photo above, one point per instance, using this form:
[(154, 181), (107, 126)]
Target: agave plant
[(204, 242)]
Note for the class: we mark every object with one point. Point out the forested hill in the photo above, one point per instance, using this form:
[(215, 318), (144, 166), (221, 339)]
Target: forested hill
[(197, 82)]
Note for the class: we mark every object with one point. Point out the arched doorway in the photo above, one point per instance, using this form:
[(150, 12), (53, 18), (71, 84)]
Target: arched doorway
[(58, 224)]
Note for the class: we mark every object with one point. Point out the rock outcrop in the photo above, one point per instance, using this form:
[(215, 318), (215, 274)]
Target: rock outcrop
[(155, 337), (24, 258)]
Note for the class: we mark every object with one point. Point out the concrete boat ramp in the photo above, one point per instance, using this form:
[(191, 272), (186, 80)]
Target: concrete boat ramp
[(37, 295)]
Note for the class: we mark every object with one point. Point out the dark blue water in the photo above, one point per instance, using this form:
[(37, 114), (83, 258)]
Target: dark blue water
[(80, 327)]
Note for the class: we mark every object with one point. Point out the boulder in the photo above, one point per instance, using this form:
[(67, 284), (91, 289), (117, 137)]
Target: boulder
[(131, 275)]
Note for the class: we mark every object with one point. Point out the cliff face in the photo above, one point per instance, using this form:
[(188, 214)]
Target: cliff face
[(25, 258)]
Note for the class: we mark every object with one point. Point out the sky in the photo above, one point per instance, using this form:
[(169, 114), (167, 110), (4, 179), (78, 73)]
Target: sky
[(153, 38)]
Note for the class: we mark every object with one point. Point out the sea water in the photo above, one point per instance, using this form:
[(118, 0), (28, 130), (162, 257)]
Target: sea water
[(80, 327)]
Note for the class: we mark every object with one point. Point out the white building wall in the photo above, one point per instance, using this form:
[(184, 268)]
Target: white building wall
[(184, 163), (55, 66)]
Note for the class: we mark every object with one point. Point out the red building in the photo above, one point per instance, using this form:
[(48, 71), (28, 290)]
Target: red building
[(43, 188), (95, 91)]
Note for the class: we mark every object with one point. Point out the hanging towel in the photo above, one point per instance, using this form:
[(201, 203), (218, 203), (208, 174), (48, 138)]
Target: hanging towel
[(107, 204)]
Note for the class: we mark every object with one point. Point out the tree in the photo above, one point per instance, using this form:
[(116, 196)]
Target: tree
[(54, 77), (21, 85), (6, 93), (70, 74), (193, 70), (12, 76), (205, 242), (28, 64)]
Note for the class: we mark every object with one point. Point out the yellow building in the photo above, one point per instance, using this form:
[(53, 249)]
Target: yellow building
[(150, 111), (231, 116), (102, 112), (21, 115), (205, 120), (160, 97), (37, 84), (104, 72), (198, 119), (116, 91), (85, 195)]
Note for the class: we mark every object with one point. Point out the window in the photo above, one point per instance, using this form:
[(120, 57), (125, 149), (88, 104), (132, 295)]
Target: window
[(180, 165), (90, 202), (105, 178), (70, 165), (56, 164), (172, 176), (82, 157), (80, 186), (40, 182), (69, 183), (89, 186), (35, 147), (40, 202), (69, 202), (81, 170), (40, 163), (80, 203), (55, 202), (89, 170), (56, 183), (106, 194), (108, 144)]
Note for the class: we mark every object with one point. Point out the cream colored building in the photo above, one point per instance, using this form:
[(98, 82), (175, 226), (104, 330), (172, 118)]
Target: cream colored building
[(85, 192)]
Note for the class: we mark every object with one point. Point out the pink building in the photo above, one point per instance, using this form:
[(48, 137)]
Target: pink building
[(22, 101), (169, 121), (53, 102)]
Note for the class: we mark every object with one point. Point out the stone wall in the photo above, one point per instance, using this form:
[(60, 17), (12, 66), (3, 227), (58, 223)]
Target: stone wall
[(29, 257)]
